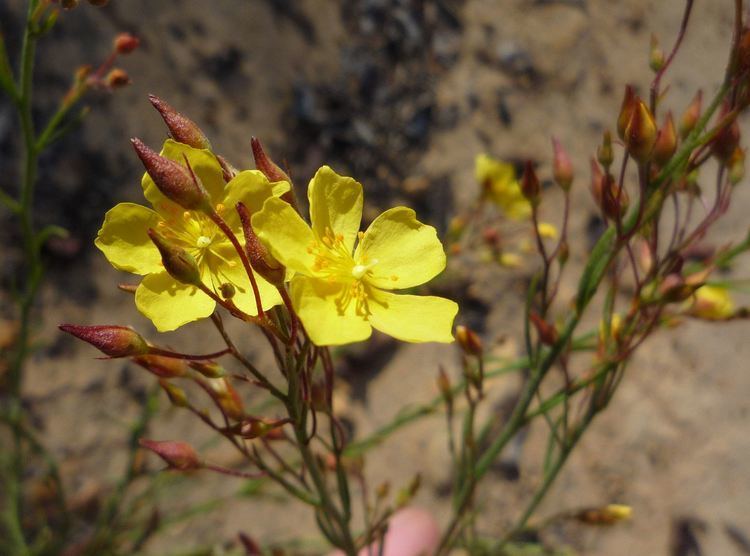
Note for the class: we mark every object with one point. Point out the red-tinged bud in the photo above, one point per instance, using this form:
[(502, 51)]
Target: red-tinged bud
[(728, 138), (655, 55), (444, 386), (736, 165), (252, 427), (82, 73), (615, 199), (114, 341), (163, 367), (491, 236), (597, 182), (691, 115), (225, 397), (177, 262), (267, 166), (178, 455), (530, 184), (209, 369), (626, 110), (646, 257), (673, 288), (640, 133), (125, 43), (562, 168), (176, 395), (547, 332), (117, 78), (260, 259), (743, 51), (604, 153), (666, 141), (174, 180), (181, 128), (469, 341)]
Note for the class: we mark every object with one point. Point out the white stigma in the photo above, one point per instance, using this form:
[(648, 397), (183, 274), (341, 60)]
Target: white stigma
[(359, 270), (203, 241)]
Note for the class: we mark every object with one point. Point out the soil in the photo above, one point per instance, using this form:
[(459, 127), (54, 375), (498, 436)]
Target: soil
[(401, 94)]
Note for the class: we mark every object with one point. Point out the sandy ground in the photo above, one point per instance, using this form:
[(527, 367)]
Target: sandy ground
[(510, 74)]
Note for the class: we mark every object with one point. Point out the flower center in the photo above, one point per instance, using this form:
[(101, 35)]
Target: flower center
[(203, 242), (359, 270)]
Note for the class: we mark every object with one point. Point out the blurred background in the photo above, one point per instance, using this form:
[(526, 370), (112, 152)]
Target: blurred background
[(402, 95)]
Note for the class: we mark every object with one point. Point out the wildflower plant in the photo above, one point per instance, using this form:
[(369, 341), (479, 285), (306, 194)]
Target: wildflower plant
[(221, 241)]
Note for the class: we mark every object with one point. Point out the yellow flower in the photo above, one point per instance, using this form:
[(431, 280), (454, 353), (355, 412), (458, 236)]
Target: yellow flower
[(124, 240), (499, 182), (547, 230), (712, 303), (341, 292)]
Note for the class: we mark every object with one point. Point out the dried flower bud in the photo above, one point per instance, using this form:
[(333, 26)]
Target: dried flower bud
[(656, 55), (728, 138), (666, 141), (469, 341), (260, 259), (178, 455), (180, 127), (177, 262), (547, 332), (562, 168), (175, 394), (604, 153), (608, 515), (626, 110), (117, 78), (209, 369), (114, 341), (125, 43), (691, 115), (530, 184), (267, 166), (640, 133), (175, 181), (163, 367)]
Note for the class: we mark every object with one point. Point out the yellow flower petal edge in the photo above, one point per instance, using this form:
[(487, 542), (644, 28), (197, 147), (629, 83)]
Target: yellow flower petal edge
[(170, 304), (413, 318), (400, 251), (499, 180), (286, 235), (124, 241), (335, 205)]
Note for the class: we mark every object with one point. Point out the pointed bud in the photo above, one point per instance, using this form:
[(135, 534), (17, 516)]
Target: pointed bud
[(125, 43), (547, 332), (444, 386), (225, 396), (209, 369), (673, 288), (117, 78), (175, 181), (691, 115), (640, 133), (666, 141), (176, 395), (114, 341), (469, 341), (530, 184), (260, 259), (163, 367), (656, 55), (562, 168), (615, 200), (604, 153), (728, 138), (181, 128), (626, 110), (178, 455), (267, 166), (607, 515), (177, 262)]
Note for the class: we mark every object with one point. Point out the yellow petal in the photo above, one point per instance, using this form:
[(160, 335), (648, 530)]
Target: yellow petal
[(335, 205), (203, 163), (487, 168), (412, 318), (251, 188), (327, 322), (170, 304), (285, 235), (225, 266), (547, 230), (124, 240), (400, 251)]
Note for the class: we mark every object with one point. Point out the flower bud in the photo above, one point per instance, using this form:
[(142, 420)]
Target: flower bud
[(178, 455), (743, 51), (640, 133), (727, 139), (712, 303), (673, 288), (125, 43), (562, 169), (117, 78), (690, 116), (267, 166), (626, 110), (469, 341), (181, 128), (666, 141), (547, 332), (176, 182), (252, 427), (604, 153), (177, 262), (444, 385), (530, 184), (736, 166), (615, 199), (608, 515), (114, 341), (656, 55), (176, 395), (225, 396), (260, 259), (209, 369), (163, 367)]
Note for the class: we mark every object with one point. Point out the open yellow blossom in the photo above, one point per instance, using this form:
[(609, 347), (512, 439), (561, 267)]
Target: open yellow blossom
[(340, 291), (711, 303), (124, 240), (498, 180)]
